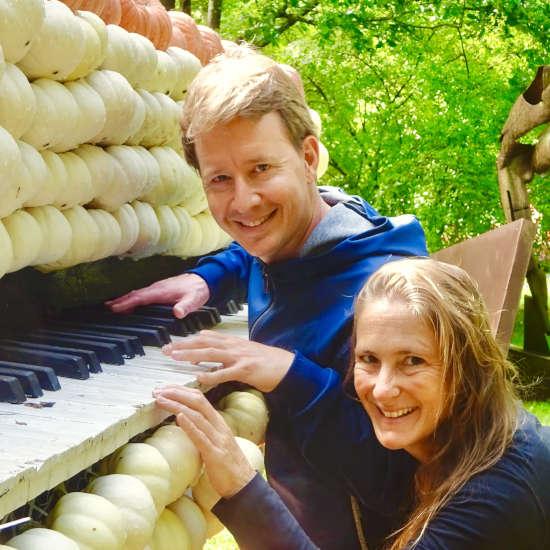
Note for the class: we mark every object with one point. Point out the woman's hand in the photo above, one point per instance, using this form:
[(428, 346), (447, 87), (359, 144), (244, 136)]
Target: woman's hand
[(255, 364), (186, 292), (227, 467)]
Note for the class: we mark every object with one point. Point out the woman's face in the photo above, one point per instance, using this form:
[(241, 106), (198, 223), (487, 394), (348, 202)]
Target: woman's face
[(398, 377)]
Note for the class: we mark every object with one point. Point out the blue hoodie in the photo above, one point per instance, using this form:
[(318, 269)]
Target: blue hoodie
[(305, 304)]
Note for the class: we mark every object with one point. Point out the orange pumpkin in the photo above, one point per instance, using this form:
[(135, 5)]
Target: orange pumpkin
[(188, 27), (211, 40), (111, 12), (95, 6), (73, 4), (149, 18), (178, 38)]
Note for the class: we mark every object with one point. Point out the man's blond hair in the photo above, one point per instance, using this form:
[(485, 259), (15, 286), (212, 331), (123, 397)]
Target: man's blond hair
[(242, 83)]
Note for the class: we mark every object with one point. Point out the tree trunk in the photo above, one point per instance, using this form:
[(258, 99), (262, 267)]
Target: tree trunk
[(169, 4), (186, 6), (214, 14)]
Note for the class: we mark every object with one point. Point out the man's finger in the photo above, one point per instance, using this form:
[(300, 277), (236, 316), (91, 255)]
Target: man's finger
[(230, 374)]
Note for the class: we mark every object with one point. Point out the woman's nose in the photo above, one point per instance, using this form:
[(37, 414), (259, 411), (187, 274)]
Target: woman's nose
[(386, 385)]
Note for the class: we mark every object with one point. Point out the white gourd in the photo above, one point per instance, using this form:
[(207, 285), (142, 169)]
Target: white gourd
[(169, 127), (147, 464), (125, 110), (133, 499), (165, 76), (20, 23), (118, 192), (169, 533), (135, 171), (79, 189), (196, 202), (129, 227), (150, 127), (84, 239), (205, 495), (10, 169), (181, 454), (18, 103), (323, 161), (58, 182), (56, 116), (56, 233), (184, 220), (149, 230), (26, 238), (172, 187), (92, 113), (92, 521), (152, 167), (210, 232), (38, 174), (58, 47), (110, 234), (2, 61), (248, 413), (120, 54), (170, 229), (95, 44), (193, 520), (43, 539), (6, 250), (190, 246), (102, 167), (188, 67), (147, 56)]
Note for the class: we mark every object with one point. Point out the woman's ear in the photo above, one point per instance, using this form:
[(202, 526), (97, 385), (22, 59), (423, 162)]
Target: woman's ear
[(311, 156)]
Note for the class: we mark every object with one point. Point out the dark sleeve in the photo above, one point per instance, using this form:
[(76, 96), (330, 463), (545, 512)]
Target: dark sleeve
[(226, 274), (259, 520)]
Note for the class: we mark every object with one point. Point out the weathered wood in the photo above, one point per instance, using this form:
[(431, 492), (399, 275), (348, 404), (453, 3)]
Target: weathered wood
[(497, 260)]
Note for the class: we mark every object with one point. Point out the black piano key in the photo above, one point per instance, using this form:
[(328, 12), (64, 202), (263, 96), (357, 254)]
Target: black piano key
[(71, 366), (11, 390), (229, 308), (156, 310), (214, 311), (206, 318), (28, 380), (129, 345), (171, 324), (91, 359), (156, 337), (46, 375), (107, 352)]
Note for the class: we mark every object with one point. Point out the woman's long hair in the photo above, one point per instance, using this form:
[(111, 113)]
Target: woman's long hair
[(480, 413)]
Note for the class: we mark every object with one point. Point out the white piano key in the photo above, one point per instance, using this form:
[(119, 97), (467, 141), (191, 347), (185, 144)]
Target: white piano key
[(89, 419)]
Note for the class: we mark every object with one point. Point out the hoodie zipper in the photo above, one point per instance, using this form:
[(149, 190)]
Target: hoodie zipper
[(267, 288)]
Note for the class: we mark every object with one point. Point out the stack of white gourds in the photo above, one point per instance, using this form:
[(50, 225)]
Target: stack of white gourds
[(153, 495), (91, 161)]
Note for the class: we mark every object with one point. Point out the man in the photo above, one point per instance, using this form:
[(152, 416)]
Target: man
[(300, 256)]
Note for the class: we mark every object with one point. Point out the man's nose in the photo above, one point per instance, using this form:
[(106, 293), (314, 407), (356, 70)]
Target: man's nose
[(245, 196)]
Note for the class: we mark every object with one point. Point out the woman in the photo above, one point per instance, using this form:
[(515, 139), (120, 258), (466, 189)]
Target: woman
[(444, 456)]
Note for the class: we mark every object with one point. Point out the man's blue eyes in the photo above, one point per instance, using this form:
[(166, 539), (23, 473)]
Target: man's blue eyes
[(259, 168)]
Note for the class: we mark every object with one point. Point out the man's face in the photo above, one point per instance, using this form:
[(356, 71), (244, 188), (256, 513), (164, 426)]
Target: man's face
[(260, 189)]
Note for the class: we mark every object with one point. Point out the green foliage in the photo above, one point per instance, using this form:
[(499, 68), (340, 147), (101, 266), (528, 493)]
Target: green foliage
[(412, 95)]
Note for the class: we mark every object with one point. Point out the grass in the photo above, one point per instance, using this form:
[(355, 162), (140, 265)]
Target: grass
[(222, 541)]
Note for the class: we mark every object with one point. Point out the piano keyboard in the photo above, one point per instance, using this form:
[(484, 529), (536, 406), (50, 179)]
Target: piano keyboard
[(49, 434)]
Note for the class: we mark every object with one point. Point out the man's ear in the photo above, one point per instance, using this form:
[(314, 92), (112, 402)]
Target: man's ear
[(311, 155)]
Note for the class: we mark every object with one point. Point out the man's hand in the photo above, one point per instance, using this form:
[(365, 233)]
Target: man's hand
[(255, 364), (227, 467), (186, 292)]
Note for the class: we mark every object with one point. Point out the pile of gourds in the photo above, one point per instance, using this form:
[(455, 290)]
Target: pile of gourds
[(91, 161), (153, 495)]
